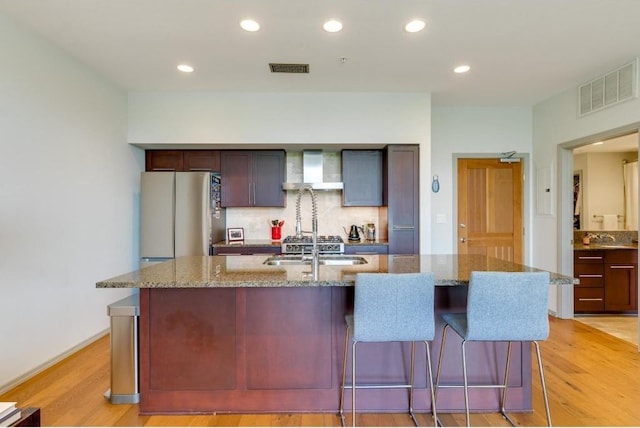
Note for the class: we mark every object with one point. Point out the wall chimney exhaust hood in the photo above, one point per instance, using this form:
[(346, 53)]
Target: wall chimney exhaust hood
[(312, 174)]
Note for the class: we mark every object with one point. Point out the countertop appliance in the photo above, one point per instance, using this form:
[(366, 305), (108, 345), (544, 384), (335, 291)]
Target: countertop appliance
[(331, 244), (180, 215)]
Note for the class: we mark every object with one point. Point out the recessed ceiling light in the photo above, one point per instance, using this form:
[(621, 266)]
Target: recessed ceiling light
[(249, 25), (332, 26), (414, 26), (185, 68), (461, 69)]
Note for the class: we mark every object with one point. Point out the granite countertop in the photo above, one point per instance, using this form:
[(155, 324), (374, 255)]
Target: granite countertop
[(249, 243), (270, 243), (605, 246), (249, 271)]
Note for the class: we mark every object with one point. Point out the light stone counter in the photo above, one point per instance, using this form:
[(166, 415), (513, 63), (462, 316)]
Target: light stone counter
[(249, 271)]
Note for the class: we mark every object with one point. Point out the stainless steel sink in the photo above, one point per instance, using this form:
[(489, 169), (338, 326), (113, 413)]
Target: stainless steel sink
[(342, 260), (329, 260)]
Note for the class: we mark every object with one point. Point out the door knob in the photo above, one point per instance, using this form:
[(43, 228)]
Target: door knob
[(463, 240)]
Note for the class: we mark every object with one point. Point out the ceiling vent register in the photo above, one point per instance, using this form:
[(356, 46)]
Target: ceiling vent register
[(288, 68), (609, 89)]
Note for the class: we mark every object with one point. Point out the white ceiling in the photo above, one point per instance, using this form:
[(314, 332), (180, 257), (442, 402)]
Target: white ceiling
[(625, 143), (521, 51)]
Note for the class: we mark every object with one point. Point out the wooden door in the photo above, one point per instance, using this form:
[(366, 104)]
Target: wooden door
[(490, 208)]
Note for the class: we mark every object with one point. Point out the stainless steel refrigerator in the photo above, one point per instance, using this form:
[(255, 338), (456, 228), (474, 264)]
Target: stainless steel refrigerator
[(180, 215)]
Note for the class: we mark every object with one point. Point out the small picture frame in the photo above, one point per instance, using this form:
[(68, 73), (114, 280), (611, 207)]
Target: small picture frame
[(235, 234)]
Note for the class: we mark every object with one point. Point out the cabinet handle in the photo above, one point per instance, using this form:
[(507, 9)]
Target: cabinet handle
[(403, 227), (592, 299), (254, 193), (590, 276), (589, 257), (199, 169), (622, 267)]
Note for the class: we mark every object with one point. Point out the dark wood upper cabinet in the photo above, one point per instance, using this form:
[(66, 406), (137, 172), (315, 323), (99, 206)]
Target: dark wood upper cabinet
[(252, 178), (202, 160), (164, 160), (362, 178), (401, 195), (182, 160)]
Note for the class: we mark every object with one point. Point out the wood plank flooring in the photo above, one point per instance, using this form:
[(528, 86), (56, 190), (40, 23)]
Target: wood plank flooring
[(593, 379)]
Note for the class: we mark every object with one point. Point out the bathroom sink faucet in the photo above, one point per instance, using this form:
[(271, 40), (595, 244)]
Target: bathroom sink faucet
[(601, 236), (314, 228)]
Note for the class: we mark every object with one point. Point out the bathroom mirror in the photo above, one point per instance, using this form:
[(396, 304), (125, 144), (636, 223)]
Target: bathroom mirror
[(605, 183)]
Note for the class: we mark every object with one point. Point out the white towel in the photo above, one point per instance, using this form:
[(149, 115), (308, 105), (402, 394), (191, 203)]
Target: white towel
[(610, 222)]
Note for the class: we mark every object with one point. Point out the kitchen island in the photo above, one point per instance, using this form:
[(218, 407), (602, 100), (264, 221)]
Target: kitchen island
[(231, 334)]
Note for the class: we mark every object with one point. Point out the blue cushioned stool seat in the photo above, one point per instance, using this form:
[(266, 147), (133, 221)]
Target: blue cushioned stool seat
[(501, 307), (390, 307)]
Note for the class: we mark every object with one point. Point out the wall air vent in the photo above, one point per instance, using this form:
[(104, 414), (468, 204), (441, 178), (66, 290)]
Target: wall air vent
[(288, 68), (609, 89)]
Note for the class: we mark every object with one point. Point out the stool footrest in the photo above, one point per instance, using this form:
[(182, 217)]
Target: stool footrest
[(379, 386)]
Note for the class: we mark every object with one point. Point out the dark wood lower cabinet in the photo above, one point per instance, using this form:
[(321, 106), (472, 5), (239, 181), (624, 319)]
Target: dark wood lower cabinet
[(251, 350), (608, 281)]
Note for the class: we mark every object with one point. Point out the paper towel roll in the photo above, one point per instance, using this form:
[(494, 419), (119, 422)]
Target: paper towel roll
[(610, 222)]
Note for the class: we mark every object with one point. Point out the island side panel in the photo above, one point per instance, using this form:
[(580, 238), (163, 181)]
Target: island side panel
[(282, 356), (280, 350)]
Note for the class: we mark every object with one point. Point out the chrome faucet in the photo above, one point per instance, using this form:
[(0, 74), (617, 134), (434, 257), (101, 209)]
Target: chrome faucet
[(601, 236), (315, 256)]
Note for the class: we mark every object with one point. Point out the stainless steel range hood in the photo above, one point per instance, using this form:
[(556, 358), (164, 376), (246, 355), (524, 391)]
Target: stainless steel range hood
[(312, 174)]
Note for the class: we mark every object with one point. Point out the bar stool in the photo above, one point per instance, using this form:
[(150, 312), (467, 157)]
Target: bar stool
[(390, 307), (501, 307)]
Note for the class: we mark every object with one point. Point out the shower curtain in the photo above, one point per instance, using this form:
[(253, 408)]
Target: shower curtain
[(630, 172)]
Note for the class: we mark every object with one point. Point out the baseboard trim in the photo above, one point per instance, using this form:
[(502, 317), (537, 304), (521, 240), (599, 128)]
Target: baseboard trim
[(53, 361)]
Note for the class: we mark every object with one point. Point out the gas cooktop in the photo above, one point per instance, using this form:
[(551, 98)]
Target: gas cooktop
[(327, 244)]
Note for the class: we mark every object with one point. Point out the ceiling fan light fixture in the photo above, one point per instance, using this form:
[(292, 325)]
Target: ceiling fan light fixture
[(332, 26), (249, 25), (414, 26)]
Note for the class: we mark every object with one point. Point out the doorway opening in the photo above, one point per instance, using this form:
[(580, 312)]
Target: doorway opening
[(595, 197)]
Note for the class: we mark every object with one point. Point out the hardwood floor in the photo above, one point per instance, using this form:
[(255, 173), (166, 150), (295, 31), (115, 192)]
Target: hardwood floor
[(593, 379)]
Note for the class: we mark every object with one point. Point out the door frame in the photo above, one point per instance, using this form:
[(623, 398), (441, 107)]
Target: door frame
[(565, 207), (526, 192)]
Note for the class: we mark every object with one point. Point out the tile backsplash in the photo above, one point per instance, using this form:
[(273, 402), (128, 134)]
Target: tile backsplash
[(332, 216)]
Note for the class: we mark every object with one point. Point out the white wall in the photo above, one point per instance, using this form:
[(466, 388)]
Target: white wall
[(69, 186), (289, 118), (470, 130)]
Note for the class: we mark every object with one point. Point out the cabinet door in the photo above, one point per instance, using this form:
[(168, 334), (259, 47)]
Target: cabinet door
[(268, 174), (362, 178), (235, 178), (164, 160), (365, 249), (202, 160), (402, 197), (620, 290)]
